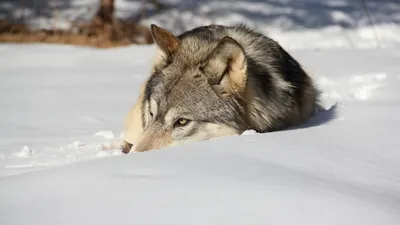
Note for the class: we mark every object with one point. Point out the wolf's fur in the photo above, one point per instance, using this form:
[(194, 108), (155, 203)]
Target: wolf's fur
[(223, 80)]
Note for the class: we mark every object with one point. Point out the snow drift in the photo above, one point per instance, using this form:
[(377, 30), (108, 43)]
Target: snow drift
[(61, 104)]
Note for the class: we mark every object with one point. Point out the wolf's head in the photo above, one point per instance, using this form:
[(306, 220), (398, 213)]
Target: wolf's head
[(196, 91)]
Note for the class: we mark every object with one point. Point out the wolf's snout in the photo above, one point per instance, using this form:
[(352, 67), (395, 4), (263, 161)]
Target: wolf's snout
[(151, 140)]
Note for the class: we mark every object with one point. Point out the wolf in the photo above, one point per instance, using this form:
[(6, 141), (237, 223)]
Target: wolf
[(216, 81)]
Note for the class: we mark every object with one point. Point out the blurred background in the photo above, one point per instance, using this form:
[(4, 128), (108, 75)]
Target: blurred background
[(294, 23)]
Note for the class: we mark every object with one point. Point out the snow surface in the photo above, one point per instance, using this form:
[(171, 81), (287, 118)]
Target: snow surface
[(62, 104)]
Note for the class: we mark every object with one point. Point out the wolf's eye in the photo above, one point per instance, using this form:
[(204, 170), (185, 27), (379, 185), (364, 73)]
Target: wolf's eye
[(181, 122)]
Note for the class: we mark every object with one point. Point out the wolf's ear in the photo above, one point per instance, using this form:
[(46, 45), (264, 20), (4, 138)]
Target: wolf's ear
[(167, 42), (227, 67)]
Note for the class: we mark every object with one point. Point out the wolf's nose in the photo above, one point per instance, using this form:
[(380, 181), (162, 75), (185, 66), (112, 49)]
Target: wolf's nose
[(126, 147)]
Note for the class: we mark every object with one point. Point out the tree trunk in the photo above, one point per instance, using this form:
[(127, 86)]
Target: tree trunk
[(105, 13)]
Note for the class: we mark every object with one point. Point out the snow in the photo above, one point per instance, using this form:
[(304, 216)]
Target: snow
[(25, 152), (59, 99), (62, 109)]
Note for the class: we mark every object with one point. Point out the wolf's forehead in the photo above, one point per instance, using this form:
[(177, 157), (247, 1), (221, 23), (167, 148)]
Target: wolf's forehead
[(161, 87), (185, 90)]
